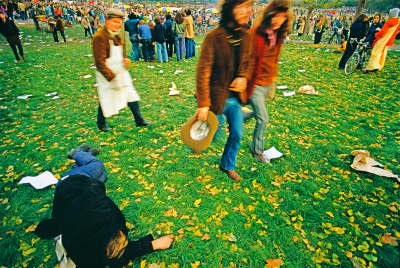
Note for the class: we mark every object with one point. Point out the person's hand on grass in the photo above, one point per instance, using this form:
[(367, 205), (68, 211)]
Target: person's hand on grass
[(162, 242)]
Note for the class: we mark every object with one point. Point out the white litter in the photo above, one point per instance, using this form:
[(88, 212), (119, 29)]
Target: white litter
[(281, 87), (173, 90), (24, 97), (271, 153), (309, 90), (288, 93), (178, 71), (88, 55), (56, 97), (161, 71), (51, 94), (87, 76), (151, 67), (41, 181), (301, 70)]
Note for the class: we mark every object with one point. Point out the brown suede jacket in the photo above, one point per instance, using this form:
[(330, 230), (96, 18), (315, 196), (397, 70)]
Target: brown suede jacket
[(101, 51), (215, 70)]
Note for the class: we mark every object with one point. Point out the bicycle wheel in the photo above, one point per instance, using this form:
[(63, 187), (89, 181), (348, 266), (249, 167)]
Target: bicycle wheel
[(352, 63), (365, 59)]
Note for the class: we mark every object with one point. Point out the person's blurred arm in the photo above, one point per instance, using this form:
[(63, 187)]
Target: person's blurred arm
[(203, 76)]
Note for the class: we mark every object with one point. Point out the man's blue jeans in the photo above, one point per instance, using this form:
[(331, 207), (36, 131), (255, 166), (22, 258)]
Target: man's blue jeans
[(147, 49), (189, 48), (335, 33), (135, 47), (23, 15), (88, 166), (179, 46), (235, 117), (162, 51)]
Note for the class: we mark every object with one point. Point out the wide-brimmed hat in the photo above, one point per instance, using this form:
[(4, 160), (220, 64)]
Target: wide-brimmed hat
[(198, 135)]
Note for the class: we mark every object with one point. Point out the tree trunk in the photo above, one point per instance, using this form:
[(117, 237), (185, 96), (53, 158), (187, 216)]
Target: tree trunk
[(360, 8), (310, 10)]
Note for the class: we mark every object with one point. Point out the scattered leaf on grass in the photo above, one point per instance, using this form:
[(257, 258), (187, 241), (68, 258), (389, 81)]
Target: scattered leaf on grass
[(275, 263), (388, 239)]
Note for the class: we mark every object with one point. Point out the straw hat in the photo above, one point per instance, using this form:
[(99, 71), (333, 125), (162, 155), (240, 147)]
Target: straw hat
[(198, 135)]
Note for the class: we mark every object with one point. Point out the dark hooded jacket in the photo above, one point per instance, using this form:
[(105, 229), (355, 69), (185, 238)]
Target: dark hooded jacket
[(87, 219)]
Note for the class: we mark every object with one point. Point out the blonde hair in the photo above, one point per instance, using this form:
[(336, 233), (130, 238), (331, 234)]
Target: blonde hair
[(116, 246)]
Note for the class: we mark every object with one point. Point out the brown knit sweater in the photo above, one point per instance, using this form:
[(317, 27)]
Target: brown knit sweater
[(101, 51)]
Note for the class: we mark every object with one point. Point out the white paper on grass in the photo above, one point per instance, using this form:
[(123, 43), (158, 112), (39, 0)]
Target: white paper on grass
[(41, 181), (56, 97), (281, 87), (51, 94), (271, 153), (178, 71), (24, 97), (151, 67), (174, 92), (301, 70), (161, 71), (288, 93)]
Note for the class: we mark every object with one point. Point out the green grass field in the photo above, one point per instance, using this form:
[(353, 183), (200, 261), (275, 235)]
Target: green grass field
[(307, 208)]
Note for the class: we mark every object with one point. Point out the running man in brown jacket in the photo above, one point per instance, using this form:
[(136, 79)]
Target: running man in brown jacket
[(222, 74)]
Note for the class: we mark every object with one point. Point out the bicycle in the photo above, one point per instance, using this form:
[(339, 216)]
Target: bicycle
[(329, 33), (360, 57)]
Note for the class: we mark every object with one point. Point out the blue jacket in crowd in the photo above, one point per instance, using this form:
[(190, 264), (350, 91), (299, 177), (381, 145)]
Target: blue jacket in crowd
[(131, 27), (144, 31)]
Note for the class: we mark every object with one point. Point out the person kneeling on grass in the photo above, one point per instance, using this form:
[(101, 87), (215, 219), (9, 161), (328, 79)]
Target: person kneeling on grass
[(342, 48), (92, 227)]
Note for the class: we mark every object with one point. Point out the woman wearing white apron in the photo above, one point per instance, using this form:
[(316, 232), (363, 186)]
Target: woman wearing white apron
[(114, 82)]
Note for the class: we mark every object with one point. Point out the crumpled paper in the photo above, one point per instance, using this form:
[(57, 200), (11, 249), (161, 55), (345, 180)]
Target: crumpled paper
[(363, 162), (173, 90), (310, 90)]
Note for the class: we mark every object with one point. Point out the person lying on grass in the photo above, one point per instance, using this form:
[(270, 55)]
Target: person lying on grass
[(92, 227)]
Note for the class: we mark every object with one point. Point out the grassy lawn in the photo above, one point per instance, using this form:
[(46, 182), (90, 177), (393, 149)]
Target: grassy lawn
[(307, 208)]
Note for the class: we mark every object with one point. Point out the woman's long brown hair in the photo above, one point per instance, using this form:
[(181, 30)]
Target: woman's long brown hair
[(264, 18)]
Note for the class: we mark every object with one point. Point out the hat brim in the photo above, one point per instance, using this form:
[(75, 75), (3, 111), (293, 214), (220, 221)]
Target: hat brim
[(198, 146)]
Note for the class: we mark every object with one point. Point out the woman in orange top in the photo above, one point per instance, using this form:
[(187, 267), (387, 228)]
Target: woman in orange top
[(384, 39), (269, 30)]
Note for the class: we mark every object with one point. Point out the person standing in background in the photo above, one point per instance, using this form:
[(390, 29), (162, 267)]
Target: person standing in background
[(159, 38), (189, 34), (53, 29), (85, 24), (60, 27), (178, 29), (170, 36), (320, 29), (131, 26)]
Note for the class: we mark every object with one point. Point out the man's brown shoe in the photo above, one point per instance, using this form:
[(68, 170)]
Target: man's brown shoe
[(260, 158), (231, 173)]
